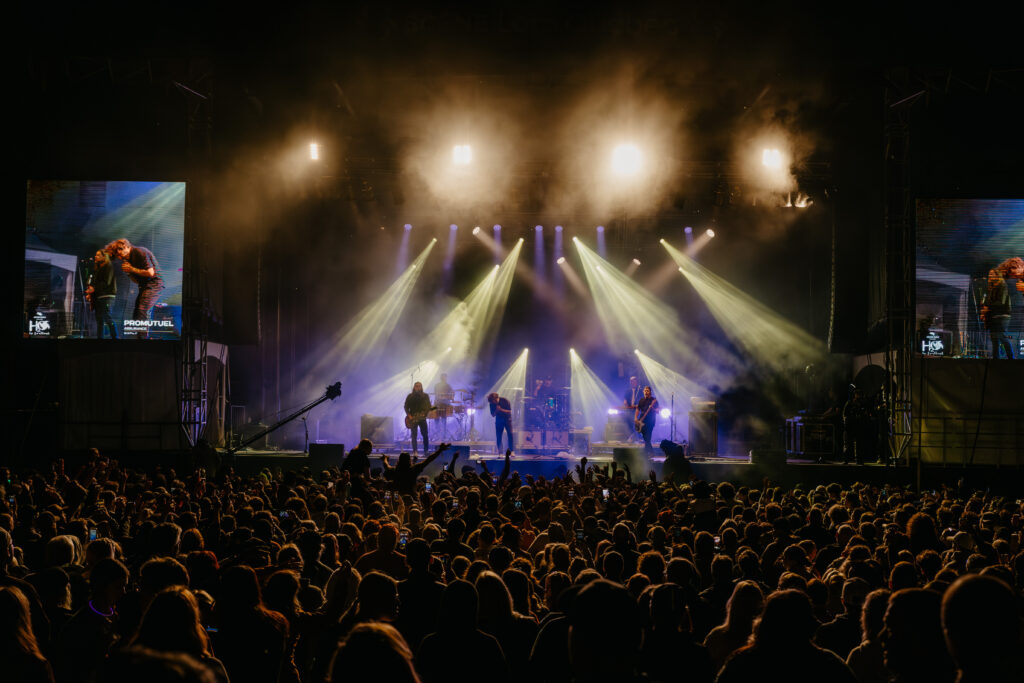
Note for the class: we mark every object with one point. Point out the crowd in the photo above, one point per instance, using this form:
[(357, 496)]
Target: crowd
[(374, 571)]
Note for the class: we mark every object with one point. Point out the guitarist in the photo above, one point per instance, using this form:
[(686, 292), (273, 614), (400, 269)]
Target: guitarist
[(645, 416), (101, 292), (417, 405), (501, 409), (996, 309)]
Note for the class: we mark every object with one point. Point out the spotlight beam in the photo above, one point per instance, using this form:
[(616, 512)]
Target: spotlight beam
[(632, 317), (589, 397), (761, 332), (367, 333)]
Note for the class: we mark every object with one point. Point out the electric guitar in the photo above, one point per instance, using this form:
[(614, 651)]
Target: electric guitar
[(638, 424), (413, 418)]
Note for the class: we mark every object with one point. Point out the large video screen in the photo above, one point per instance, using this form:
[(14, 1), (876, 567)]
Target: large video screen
[(970, 279), (103, 259)]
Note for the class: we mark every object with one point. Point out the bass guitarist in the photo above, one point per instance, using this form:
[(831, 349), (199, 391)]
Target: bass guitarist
[(644, 418), (417, 405)]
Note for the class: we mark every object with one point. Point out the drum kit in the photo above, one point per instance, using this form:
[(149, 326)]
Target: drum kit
[(457, 414), (549, 411)]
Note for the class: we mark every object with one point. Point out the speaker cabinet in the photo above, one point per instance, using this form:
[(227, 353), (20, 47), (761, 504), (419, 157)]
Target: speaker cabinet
[(704, 433)]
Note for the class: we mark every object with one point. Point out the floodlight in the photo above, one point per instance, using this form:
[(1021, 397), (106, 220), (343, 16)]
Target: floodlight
[(462, 155), (626, 160), (772, 158)]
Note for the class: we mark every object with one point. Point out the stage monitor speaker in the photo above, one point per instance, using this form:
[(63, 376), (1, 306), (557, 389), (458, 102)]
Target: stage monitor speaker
[(635, 458), (557, 439), (703, 433), (378, 429), (580, 441), (325, 455), (615, 429), (531, 439)]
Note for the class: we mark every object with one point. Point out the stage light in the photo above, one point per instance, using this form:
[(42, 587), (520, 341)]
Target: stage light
[(709, 232), (600, 228), (476, 230), (558, 228), (561, 260), (601, 248), (631, 317), (572, 351), (367, 332), (453, 227), (448, 349), (589, 397), (470, 411), (772, 158), (665, 413), (468, 327), (497, 228), (613, 411), (688, 230), (636, 262), (539, 228), (462, 155), (765, 335), (662, 240), (626, 160), (314, 151)]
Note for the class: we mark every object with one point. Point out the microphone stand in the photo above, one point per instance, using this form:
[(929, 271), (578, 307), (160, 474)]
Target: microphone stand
[(333, 392), (672, 423)]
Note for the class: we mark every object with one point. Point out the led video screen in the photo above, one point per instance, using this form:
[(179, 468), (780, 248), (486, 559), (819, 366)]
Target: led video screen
[(103, 259), (970, 278)]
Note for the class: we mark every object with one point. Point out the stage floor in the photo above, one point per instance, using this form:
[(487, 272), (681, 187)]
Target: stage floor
[(735, 468)]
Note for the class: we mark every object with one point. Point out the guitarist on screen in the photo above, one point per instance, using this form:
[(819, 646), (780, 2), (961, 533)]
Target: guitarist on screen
[(644, 418), (101, 292), (417, 405), (995, 311)]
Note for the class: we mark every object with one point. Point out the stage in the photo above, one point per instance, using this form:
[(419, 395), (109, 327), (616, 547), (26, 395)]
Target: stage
[(738, 469)]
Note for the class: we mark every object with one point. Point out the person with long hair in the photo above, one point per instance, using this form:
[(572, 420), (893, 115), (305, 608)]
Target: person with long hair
[(19, 652), (373, 652), (742, 608), (781, 647), (515, 632), (171, 624), (251, 640)]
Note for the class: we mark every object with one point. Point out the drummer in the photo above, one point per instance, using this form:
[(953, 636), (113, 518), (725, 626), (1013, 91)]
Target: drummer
[(443, 393)]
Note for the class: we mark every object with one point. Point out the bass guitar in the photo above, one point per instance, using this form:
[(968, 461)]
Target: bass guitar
[(638, 424)]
